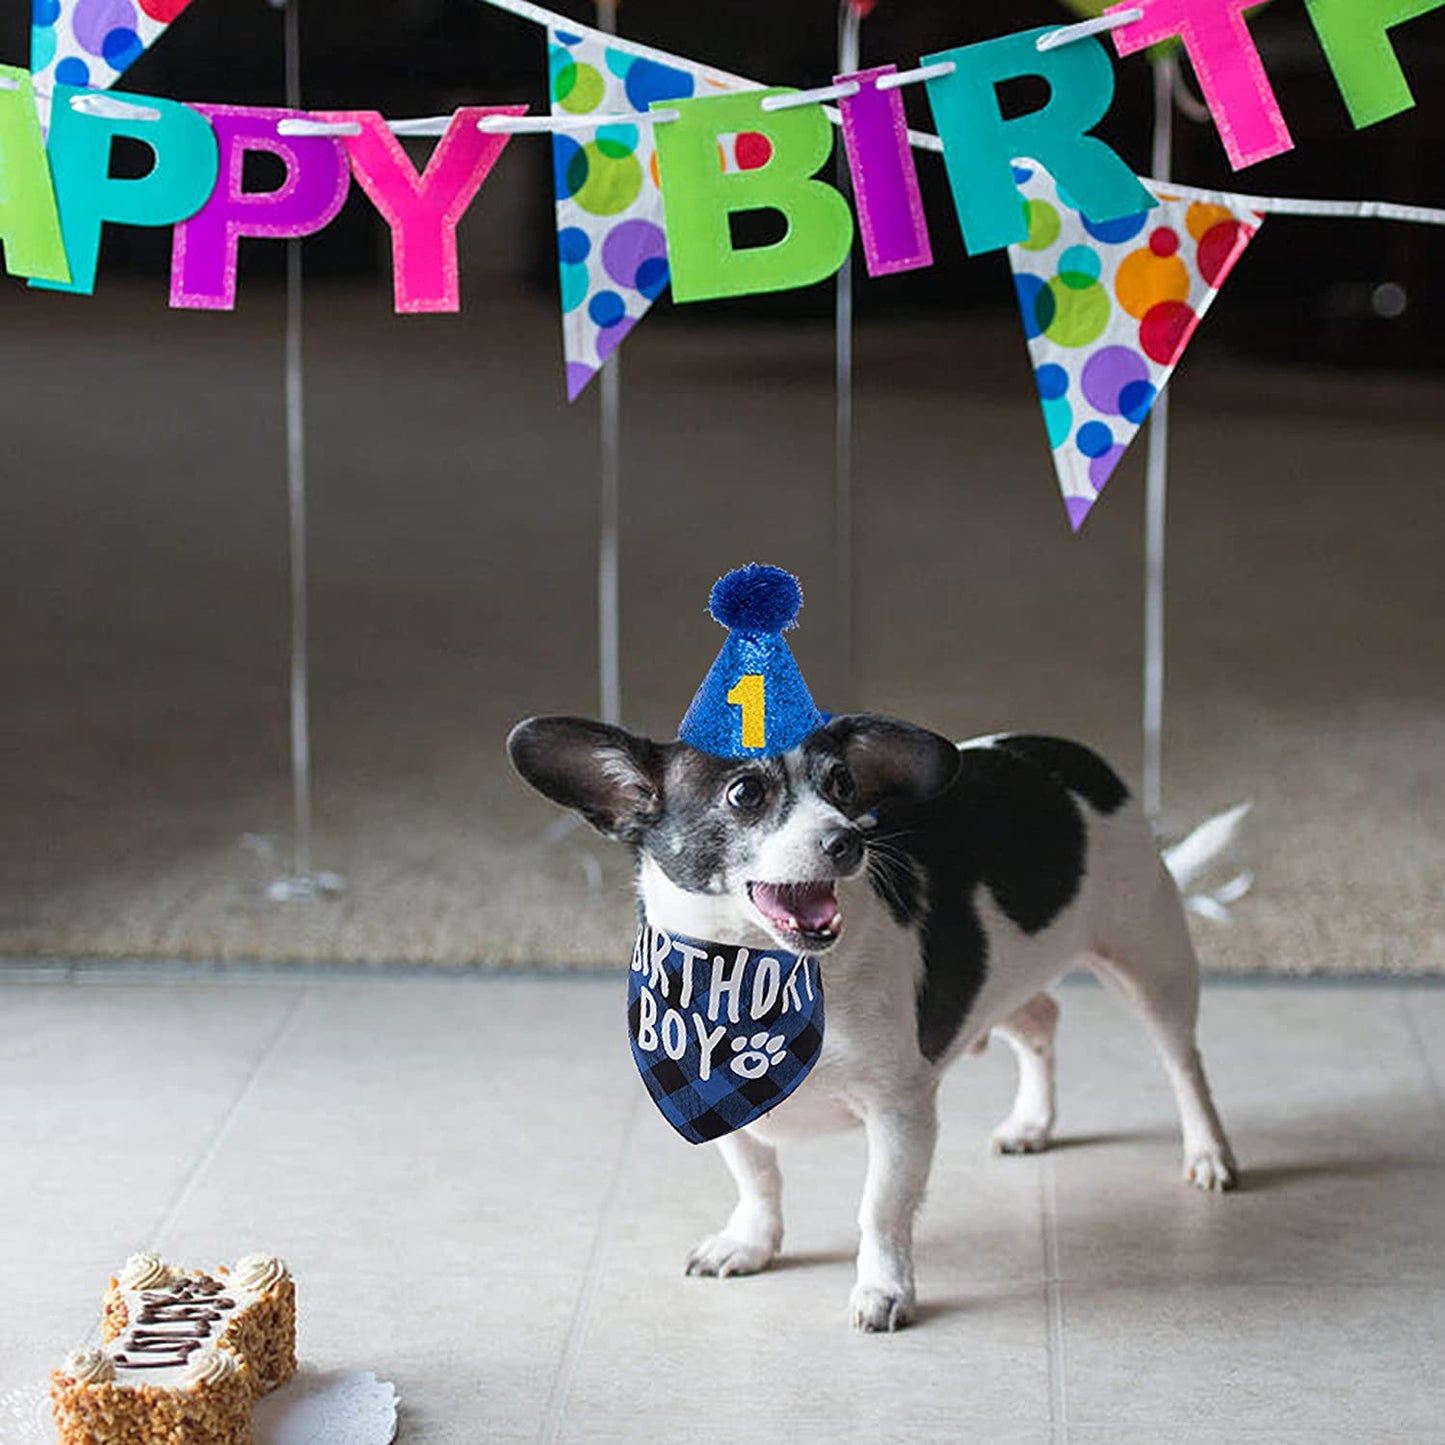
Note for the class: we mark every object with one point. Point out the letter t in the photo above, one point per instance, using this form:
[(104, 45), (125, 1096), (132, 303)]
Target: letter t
[(1228, 67)]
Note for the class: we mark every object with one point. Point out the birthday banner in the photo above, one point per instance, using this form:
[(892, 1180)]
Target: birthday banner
[(654, 154), (611, 237), (1108, 310)]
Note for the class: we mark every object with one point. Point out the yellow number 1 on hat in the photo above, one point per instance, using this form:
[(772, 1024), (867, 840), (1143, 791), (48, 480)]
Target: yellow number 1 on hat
[(750, 695)]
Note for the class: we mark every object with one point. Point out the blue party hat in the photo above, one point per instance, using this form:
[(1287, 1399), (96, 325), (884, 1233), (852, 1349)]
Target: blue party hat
[(753, 703)]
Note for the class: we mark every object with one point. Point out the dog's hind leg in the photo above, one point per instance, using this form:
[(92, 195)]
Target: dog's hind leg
[(1029, 1032), (1153, 965), (754, 1232)]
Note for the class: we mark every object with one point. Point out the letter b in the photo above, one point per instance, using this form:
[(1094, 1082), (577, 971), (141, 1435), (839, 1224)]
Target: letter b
[(699, 197)]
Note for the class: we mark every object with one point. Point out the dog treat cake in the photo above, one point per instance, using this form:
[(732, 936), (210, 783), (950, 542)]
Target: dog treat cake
[(183, 1355)]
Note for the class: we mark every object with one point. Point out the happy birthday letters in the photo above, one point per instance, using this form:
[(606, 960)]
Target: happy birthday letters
[(56, 196)]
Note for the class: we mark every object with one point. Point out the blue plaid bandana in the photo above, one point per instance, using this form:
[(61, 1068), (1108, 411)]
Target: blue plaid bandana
[(720, 1033)]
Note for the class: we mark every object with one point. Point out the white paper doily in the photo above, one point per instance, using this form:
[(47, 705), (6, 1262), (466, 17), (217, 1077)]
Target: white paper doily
[(316, 1407), (327, 1407), (25, 1416)]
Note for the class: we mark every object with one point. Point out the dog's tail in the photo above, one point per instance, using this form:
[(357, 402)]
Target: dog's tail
[(1192, 857)]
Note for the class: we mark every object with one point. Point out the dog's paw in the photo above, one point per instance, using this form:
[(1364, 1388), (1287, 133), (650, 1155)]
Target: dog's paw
[(1021, 1136), (721, 1255), (1211, 1170), (879, 1311)]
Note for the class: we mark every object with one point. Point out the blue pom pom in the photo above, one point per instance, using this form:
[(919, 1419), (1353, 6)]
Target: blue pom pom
[(756, 598)]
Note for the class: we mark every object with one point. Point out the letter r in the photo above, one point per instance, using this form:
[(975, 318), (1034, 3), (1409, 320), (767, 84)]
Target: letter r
[(980, 146)]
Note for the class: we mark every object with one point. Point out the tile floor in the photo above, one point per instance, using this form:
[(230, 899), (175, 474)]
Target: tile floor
[(481, 1205)]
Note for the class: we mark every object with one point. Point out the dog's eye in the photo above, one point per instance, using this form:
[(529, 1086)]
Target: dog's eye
[(746, 794), (840, 786)]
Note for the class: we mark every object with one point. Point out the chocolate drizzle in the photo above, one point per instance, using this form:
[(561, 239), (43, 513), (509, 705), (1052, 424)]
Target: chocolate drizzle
[(173, 1324)]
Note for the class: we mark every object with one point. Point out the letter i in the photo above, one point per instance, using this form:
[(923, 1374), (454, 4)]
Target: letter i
[(885, 178)]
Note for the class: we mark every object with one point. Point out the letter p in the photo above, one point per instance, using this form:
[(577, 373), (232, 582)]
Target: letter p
[(87, 195), (318, 175)]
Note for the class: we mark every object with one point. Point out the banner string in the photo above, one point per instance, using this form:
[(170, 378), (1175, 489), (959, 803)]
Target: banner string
[(550, 20), (799, 98), (917, 77), (921, 140), (1306, 206), (1067, 34), (543, 124)]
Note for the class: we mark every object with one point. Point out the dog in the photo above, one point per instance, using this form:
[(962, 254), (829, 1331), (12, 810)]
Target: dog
[(943, 887)]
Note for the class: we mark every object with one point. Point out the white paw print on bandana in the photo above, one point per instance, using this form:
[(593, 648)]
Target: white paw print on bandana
[(762, 1052)]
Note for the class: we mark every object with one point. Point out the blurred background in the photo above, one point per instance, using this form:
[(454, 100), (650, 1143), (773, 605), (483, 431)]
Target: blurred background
[(144, 785)]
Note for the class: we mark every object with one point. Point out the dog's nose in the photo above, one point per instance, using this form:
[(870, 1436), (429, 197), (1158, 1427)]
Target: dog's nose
[(843, 846)]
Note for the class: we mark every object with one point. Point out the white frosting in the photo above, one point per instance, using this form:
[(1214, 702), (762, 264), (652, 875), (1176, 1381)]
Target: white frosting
[(146, 1271), (210, 1367), (261, 1272), (234, 1287), (90, 1367)]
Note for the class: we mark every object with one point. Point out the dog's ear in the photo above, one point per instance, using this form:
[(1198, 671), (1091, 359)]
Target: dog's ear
[(892, 759), (611, 776)]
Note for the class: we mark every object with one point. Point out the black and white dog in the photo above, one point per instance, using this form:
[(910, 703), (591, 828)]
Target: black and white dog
[(946, 886)]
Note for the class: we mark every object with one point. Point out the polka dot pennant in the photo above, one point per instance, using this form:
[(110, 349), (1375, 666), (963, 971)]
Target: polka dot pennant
[(611, 245), (92, 42), (1108, 310)]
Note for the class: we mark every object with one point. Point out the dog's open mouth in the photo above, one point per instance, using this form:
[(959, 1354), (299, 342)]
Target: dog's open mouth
[(804, 911)]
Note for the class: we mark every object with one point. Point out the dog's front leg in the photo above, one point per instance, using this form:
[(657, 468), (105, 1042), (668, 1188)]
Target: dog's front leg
[(901, 1137), (754, 1232)]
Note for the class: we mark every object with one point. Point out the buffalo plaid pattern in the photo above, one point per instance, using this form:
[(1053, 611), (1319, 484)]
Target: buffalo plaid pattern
[(720, 1034)]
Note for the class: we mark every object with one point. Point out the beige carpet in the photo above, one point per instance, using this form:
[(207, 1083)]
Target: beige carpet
[(453, 532)]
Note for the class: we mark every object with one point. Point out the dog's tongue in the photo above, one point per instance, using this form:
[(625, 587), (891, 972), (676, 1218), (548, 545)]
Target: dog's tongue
[(811, 905)]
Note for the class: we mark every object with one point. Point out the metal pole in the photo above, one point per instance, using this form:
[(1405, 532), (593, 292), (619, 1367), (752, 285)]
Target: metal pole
[(302, 883), (609, 605), (850, 22), (1156, 496), (609, 547), (296, 496)]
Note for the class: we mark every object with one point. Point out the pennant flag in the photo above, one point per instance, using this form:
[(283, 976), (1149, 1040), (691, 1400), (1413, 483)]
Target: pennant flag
[(1108, 310), (611, 241), (90, 43)]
